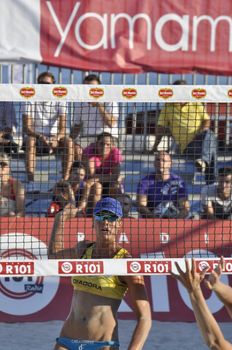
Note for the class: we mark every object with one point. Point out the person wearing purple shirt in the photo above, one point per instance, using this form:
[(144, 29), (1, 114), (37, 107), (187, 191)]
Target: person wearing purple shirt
[(162, 194)]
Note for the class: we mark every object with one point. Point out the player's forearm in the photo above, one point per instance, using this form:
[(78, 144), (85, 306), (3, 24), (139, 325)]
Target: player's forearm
[(209, 328), (56, 240), (140, 333), (224, 293)]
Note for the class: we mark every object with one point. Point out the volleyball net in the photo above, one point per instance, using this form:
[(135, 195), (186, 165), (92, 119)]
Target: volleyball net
[(163, 151)]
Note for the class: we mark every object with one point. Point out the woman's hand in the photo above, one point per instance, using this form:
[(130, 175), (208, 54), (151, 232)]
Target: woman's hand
[(214, 278), (69, 212), (190, 279)]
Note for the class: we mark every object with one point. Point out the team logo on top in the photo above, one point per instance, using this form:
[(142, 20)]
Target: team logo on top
[(165, 93), (27, 92), (229, 93), (129, 93), (60, 91), (96, 92), (199, 93)]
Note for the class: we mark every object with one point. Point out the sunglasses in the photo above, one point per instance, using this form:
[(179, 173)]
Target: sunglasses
[(109, 218)]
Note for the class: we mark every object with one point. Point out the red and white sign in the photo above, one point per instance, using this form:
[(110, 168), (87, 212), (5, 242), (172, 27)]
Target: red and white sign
[(27, 92), (16, 268), (129, 93), (81, 268), (166, 93), (199, 93), (35, 298), (149, 267), (96, 92), (119, 36), (210, 265), (60, 91)]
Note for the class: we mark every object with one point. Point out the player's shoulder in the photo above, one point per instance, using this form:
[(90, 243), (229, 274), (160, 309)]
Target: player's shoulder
[(82, 246), (123, 253)]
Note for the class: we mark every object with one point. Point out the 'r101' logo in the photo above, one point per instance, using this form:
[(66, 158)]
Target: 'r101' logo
[(149, 267), (80, 268), (17, 268)]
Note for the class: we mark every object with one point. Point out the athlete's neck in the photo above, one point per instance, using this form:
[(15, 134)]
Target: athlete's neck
[(108, 251)]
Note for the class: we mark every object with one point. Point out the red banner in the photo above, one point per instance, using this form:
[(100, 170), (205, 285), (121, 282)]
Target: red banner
[(120, 36), (137, 36), (41, 298)]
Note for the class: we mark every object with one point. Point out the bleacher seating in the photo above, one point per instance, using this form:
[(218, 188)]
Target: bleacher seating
[(134, 167)]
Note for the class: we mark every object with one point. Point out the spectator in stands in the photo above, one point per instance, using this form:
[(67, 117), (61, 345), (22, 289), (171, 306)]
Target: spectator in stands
[(94, 118), (62, 195), (77, 179), (126, 203), (103, 161), (8, 125), (162, 194), (207, 324), (189, 125), (81, 192), (81, 188), (12, 195), (216, 199), (45, 129)]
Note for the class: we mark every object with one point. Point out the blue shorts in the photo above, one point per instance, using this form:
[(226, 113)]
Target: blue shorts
[(72, 344)]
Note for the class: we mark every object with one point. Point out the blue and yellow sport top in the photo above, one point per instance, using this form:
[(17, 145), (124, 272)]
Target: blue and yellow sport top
[(105, 286)]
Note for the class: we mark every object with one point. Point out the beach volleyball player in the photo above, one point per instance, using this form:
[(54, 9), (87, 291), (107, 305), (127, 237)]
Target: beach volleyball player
[(92, 321)]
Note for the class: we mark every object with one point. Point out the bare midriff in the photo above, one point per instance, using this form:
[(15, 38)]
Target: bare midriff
[(92, 317)]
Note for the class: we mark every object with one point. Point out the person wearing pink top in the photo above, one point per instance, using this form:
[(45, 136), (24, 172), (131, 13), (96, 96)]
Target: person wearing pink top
[(102, 160)]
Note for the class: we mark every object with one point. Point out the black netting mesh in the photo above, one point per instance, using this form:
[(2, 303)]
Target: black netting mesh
[(169, 164)]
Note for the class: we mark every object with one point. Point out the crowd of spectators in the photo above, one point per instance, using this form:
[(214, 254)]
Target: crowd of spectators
[(93, 172)]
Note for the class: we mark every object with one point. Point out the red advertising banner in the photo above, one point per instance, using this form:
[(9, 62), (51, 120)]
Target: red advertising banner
[(120, 36), (138, 36), (38, 298)]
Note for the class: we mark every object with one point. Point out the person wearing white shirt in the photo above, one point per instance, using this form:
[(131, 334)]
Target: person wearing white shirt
[(8, 125), (45, 129), (94, 118)]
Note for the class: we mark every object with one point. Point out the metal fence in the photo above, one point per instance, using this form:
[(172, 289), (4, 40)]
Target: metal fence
[(27, 73)]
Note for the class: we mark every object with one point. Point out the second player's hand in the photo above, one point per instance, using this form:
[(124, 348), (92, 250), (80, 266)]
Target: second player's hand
[(214, 278)]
